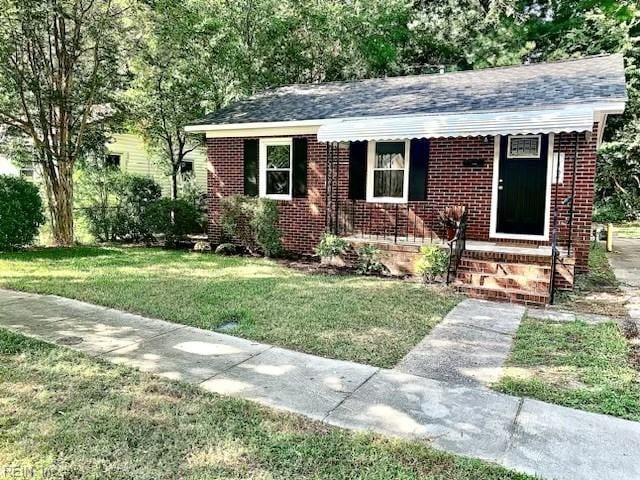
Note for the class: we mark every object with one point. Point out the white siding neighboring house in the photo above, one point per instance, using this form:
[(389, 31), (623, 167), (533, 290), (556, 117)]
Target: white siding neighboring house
[(131, 153), (8, 168)]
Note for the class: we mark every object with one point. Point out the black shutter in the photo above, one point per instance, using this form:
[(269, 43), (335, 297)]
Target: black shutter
[(358, 170), (251, 167), (418, 166), (300, 167)]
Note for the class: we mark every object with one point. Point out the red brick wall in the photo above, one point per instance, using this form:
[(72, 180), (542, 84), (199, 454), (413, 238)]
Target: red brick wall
[(449, 182), (301, 219), (583, 202)]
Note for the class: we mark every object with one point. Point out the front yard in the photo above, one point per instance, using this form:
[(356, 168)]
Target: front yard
[(575, 364), (363, 319), (65, 415), (597, 290)]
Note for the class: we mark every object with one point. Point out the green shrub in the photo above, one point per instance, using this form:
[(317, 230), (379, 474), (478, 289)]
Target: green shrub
[(20, 212), (611, 211), (174, 218), (226, 249), (433, 262), (119, 209), (331, 246), (253, 223), (368, 261)]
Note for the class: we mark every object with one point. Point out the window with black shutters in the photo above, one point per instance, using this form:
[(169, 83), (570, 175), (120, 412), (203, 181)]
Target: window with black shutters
[(276, 168), (388, 169)]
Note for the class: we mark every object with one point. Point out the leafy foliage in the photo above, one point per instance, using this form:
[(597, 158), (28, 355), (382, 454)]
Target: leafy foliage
[(253, 223), (368, 261), (174, 218), (331, 246), (20, 212), (61, 64), (433, 262), (117, 205)]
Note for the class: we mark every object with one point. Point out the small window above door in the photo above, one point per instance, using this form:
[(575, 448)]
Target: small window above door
[(524, 146)]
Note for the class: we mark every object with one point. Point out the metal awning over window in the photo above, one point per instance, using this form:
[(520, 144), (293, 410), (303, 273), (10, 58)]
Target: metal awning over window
[(568, 119)]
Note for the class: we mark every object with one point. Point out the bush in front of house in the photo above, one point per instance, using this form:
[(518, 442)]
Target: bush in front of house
[(432, 263), (21, 213), (117, 206), (175, 219), (253, 223), (368, 261), (331, 245)]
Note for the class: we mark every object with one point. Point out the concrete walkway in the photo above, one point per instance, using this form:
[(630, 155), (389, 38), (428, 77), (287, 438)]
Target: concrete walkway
[(625, 261), (469, 347), (526, 435)]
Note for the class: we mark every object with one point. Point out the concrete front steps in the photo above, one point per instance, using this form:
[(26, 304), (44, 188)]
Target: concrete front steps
[(503, 276)]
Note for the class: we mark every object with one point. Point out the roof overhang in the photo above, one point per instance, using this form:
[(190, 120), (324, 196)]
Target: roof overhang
[(566, 119)]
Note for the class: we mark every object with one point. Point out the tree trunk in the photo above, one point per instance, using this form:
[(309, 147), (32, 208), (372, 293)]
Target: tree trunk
[(59, 185), (174, 183)]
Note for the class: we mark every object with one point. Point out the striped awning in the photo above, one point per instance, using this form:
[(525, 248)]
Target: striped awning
[(566, 119)]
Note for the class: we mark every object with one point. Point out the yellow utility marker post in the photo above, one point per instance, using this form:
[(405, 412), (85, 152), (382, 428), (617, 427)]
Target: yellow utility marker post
[(610, 237)]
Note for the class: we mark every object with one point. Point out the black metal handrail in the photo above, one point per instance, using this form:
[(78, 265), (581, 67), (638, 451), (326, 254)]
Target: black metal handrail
[(457, 246), (554, 258)]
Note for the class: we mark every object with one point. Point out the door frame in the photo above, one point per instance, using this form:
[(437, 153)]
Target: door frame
[(494, 195)]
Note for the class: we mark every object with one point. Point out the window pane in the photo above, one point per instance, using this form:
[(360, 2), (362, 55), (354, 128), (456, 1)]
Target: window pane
[(113, 161), (278, 156), (277, 182), (389, 155), (186, 168), (388, 184), (524, 147)]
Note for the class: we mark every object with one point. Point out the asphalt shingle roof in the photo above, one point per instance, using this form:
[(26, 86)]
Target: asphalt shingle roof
[(543, 85)]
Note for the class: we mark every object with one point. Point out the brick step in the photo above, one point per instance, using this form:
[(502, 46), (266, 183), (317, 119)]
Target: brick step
[(507, 257), (504, 268), (504, 294), (537, 284)]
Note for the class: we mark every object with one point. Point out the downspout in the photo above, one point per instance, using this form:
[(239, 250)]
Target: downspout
[(326, 187), (573, 193), (337, 189)]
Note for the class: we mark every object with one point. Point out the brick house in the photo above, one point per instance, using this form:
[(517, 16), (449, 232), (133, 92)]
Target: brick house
[(376, 160)]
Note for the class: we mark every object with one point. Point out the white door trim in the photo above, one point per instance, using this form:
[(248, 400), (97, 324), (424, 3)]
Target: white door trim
[(494, 195)]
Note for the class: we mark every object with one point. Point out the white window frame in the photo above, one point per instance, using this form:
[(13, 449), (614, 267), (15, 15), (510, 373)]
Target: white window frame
[(264, 143), (511, 137), (371, 159), (557, 170)]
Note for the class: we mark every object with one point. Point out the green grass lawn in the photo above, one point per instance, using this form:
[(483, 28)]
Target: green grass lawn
[(65, 415), (364, 319), (574, 364)]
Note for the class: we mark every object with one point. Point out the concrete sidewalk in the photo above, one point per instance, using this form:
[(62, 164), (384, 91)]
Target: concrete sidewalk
[(526, 435), (469, 346)]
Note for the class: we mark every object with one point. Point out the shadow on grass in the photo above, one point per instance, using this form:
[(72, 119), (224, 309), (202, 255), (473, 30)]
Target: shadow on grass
[(59, 253), (93, 420)]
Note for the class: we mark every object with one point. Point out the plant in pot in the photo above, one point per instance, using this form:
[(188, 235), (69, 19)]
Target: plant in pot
[(331, 249), (450, 218)]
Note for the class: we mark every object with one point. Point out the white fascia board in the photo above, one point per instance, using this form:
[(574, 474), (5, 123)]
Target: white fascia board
[(613, 107), (252, 125)]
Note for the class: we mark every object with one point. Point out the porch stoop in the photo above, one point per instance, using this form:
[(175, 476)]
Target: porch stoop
[(512, 277)]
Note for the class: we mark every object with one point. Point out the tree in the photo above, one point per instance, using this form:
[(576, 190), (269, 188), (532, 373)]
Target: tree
[(60, 66), (179, 77)]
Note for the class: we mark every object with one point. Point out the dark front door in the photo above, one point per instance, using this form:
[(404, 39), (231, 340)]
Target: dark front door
[(522, 185)]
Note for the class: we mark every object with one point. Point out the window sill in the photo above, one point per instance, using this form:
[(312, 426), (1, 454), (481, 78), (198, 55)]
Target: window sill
[(386, 200), (278, 197)]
